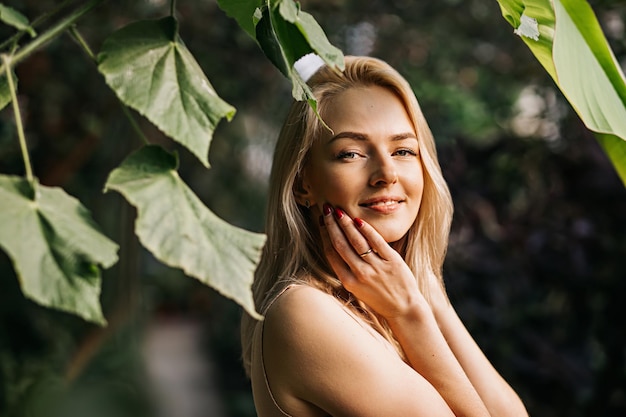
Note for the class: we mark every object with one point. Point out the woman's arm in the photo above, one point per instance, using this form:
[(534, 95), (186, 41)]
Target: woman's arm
[(383, 281), (320, 360), (495, 392)]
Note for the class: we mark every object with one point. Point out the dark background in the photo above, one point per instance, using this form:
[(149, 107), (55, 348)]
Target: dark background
[(537, 258)]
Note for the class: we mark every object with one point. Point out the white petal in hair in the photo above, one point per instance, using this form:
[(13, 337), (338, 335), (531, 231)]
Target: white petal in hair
[(307, 65)]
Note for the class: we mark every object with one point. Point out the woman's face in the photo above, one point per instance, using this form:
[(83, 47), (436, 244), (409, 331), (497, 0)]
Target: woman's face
[(369, 165)]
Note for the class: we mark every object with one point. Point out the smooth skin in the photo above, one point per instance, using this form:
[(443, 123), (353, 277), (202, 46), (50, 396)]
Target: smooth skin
[(320, 360)]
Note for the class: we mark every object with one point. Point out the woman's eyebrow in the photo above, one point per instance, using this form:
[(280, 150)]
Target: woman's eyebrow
[(402, 136), (348, 135), (361, 136)]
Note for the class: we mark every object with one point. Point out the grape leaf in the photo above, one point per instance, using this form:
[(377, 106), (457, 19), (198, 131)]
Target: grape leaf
[(181, 231), (151, 70), (55, 246)]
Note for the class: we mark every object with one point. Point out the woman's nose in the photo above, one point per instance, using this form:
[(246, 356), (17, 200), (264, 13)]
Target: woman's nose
[(384, 172)]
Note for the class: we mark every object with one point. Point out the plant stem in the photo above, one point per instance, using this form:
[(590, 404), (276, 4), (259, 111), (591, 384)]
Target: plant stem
[(81, 41), (41, 19), (172, 8), (134, 124), (18, 117), (53, 32)]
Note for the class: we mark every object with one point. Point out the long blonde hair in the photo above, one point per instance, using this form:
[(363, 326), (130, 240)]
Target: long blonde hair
[(293, 250)]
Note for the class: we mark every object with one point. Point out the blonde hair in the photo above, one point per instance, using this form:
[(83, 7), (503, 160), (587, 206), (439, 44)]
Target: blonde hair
[(293, 250)]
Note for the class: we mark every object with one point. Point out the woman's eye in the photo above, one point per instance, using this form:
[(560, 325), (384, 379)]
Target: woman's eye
[(347, 155), (405, 152)]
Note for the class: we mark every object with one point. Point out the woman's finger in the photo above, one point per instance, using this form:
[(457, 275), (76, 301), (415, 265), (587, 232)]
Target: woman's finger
[(361, 247), (375, 240), (336, 262), (338, 238)]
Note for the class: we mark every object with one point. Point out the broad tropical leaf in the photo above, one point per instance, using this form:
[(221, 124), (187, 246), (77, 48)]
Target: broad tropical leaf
[(12, 17), (180, 231), (574, 51), (55, 246), (151, 70)]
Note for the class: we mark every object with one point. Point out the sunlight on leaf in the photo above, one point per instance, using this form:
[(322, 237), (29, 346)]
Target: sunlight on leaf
[(55, 246), (151, 70), (181, 231), (574, 51)]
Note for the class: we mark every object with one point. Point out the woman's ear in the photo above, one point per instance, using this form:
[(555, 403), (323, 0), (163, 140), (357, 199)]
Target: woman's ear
[(302, 192)]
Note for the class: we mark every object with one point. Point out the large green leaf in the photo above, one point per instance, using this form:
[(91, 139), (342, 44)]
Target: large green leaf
[(243, 12), (574, 51), (286, 34), (151, 70), (180, 231), (55, 246)]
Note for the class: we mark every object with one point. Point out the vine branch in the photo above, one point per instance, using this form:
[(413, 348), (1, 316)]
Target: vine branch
[(18, 117), (52, 33), (13, 40), (81, 41), (172, 7)]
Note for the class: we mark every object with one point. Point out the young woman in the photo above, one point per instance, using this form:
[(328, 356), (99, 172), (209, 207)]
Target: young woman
[(357, 321)]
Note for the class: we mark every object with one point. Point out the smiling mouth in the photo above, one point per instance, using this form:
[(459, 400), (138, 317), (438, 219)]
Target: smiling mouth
[(382, 203)]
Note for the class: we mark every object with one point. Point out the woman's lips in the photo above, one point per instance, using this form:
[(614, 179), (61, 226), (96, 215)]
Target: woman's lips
[(383, 205)]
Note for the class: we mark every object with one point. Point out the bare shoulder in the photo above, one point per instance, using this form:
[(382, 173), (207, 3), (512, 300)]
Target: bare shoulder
[(303, 305), (318, 355), (303, 317)]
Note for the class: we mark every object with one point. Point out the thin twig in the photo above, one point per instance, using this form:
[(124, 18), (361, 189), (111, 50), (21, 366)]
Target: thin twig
[(38, 21), (81, 41), (172, 8), (18, 117)]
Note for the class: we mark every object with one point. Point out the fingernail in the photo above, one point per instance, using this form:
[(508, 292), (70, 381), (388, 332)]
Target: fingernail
[(338, 213), (358, 222), (321, 220), (327, 209)]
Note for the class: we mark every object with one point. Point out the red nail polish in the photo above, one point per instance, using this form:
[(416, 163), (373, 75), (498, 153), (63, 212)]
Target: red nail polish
[(327, 209), (338, 213), (358, 222), (321, 220)]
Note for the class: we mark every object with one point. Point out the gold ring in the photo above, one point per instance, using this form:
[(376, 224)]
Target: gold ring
[(370, 250)]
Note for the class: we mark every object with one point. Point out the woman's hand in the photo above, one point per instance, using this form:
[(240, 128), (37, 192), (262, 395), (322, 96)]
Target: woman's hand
[(368, 267)]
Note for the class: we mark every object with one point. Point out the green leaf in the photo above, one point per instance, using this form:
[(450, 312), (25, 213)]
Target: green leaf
[(180, 231), (615, 148), (55, 246), (574, 51), (14, 18), (285, 34), (243, 12), (5, 91), (313, 34), (151, 70), (587, 72)]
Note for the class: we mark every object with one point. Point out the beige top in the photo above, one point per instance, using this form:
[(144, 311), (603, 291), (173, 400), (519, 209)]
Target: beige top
[(265, 403)]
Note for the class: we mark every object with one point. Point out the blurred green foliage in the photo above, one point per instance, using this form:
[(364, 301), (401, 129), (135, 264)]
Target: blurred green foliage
[(536, 265)]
